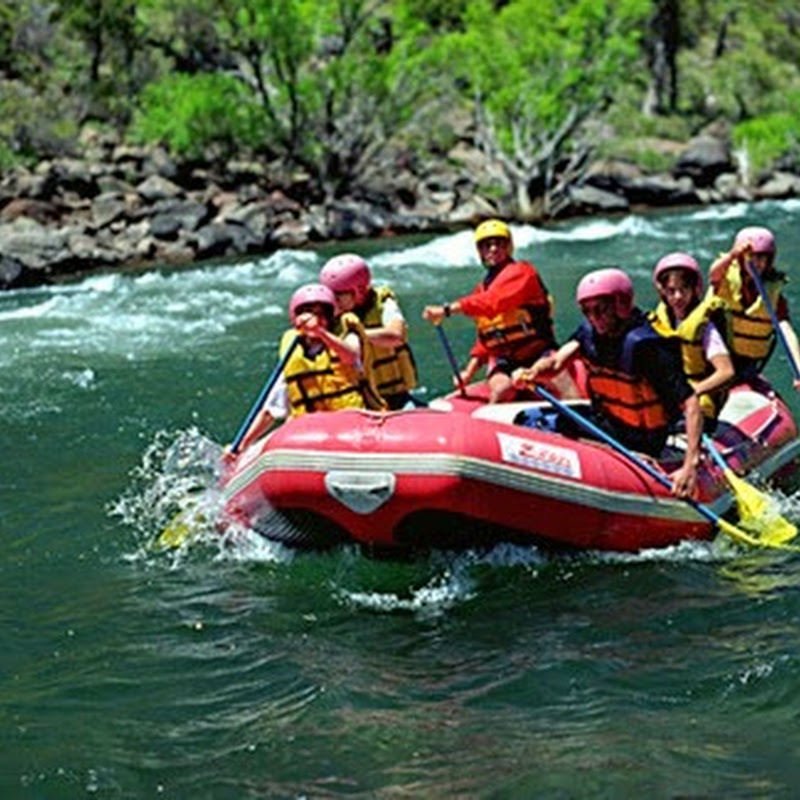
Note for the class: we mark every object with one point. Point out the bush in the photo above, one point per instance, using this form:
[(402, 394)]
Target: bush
[(192, 114), (767, 139), (34, 125)]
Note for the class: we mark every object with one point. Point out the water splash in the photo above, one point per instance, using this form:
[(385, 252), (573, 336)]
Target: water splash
[(453, 579), (177, 477)]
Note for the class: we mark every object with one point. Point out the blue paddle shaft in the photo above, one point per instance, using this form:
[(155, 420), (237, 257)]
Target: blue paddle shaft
[(715, 454), (589, 426), (451, 358), (754, 274), (268, 387)]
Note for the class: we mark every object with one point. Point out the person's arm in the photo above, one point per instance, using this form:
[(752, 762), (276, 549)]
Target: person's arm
[(467, 374), (662, 365), (717, 354), (275, 407), (516, 285), (719, 268), (258, 427), (684, 481), (437, 313), (393, 330), (348, 349), (721, 376), (548, 365)]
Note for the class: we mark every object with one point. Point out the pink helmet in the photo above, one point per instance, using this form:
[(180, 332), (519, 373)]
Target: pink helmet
[(678, 260), (346, 273), (761, 239), (608, 281), (311, 293)]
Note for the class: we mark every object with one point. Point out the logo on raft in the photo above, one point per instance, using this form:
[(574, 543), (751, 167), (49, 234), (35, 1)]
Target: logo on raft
[(543, 457)]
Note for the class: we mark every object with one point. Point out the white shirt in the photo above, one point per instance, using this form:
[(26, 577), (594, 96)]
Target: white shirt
[(713, 343)]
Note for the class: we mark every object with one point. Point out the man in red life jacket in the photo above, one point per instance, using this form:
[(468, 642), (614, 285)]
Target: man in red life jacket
[(635, 376), (511, 309)]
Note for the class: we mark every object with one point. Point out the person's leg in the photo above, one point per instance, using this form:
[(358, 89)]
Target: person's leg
[(500, 387)]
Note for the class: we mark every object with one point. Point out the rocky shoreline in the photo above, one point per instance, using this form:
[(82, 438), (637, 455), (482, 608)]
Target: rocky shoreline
[(118, 206)]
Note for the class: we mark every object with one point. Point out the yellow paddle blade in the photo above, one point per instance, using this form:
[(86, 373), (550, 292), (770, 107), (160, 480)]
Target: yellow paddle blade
[(181, 528), (738, 535), (758, 513)]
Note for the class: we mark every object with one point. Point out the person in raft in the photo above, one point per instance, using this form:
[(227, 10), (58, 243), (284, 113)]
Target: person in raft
[(752, 334), (635, 376), (511, 309), (325, 371), (699, 324), (348, 276)]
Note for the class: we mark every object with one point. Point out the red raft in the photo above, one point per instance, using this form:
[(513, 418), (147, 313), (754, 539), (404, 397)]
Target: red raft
[(462, 473)]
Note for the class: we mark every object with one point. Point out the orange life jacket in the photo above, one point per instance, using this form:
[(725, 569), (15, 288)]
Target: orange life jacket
[(619, 394)]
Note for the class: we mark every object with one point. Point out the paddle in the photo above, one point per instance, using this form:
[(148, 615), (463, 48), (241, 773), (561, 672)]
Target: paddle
[(268, 387), (755, 275), (726, 527), (756, 509), (451, 358), (179, 529)]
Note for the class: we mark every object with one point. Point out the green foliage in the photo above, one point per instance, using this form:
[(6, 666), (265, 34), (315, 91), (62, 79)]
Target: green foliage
[(193, 113), (34, 124), (649, 154), (737, 74), (440, 15), (534, 60), (767, 138), (326, 85)]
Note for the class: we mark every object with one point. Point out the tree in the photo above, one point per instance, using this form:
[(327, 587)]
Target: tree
[(535, 71), (661, 46), (326, 82)]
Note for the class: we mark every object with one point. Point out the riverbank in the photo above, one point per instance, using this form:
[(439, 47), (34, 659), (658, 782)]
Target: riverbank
[(119, 206)]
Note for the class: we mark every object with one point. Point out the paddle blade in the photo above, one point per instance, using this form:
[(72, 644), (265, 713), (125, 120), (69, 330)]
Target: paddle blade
[(183, 526), (758, 513)]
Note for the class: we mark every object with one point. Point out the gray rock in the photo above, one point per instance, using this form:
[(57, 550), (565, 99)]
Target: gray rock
[(155, 187), (583, 199), (703, 160)]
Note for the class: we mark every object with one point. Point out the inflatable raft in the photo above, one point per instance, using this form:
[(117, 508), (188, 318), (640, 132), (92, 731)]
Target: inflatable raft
[(462, 473)]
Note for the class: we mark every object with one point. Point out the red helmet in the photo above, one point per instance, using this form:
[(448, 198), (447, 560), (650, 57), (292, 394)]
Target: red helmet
[(678, 260), (761, 239), (347, 273), (609, 281), (311, 293)]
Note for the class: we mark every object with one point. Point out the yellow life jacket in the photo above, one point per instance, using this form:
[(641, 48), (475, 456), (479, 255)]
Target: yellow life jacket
[(322, 382), (393, 368), (752, 333), (350, 323), (523, 333), (690, 331)]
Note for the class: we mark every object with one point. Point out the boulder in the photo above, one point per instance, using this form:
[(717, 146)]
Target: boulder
[(590, 199), (704, 160), (15, 275), (156, 187)]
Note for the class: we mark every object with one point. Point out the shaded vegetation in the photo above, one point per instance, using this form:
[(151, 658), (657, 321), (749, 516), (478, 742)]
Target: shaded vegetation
[(332, 88)]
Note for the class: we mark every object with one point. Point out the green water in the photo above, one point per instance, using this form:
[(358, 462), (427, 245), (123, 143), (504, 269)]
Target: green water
[(257, 672)]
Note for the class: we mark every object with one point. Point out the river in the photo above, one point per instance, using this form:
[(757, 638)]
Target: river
[(259, 672)]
